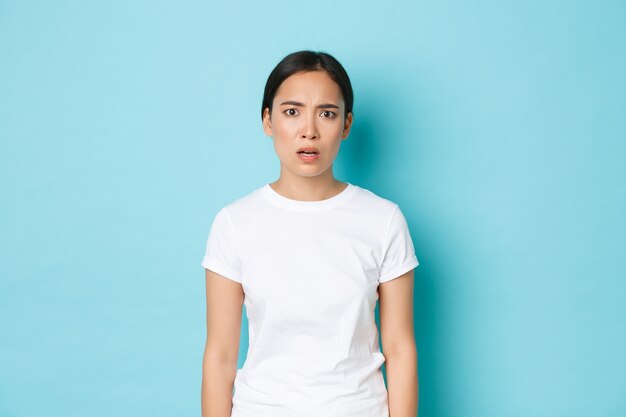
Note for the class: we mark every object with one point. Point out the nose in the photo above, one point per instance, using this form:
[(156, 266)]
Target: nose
[(309, 129)]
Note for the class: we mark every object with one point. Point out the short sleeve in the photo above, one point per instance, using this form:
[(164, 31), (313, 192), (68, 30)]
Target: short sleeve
[(398, 251), (220, 253)]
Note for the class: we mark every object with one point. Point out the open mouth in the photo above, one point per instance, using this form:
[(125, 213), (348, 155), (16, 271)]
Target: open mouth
[(308, 151), (308, 154)]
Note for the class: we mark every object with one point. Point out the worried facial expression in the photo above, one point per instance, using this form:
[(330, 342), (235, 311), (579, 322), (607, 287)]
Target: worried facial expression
[(307, 112)]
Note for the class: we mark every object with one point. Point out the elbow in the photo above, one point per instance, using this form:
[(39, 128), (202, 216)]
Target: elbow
[(400, 349), (220, 356)]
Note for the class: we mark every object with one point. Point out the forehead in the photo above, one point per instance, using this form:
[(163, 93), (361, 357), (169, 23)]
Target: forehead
[(310, 84)]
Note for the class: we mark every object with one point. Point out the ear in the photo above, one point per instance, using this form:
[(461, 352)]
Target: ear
[(267, 122), (347, 126)]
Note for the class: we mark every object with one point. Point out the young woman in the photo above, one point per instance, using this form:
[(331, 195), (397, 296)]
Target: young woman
[(309, 256)]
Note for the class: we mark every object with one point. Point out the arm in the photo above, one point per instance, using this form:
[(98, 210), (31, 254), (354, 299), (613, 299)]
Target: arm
[(398, 340), (224, 300)]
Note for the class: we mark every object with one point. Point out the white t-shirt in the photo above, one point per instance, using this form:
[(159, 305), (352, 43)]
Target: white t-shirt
[(310, 272)]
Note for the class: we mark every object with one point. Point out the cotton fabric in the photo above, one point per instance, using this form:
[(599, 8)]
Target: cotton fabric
[(310, 272)]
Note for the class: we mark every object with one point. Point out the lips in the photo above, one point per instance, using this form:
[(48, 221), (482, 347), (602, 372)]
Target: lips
[(308, 149)]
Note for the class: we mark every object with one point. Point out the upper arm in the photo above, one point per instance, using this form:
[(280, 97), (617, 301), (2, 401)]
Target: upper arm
[(224, 304), (396, 313)]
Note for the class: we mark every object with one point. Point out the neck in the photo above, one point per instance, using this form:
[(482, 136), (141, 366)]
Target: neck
[(320, 187)]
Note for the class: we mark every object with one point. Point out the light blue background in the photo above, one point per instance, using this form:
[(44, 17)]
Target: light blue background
[(497, 126)]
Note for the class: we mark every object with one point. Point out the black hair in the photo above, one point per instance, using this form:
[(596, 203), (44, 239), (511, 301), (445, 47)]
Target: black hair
[(307, 61)]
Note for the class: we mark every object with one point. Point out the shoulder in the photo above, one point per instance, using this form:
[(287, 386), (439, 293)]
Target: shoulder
[(373, 202), (244, 204)]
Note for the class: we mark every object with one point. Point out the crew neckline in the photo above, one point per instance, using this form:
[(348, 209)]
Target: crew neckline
[(307, 206)]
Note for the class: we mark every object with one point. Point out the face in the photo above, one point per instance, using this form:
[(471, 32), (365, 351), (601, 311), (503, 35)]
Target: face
[(307, 111)]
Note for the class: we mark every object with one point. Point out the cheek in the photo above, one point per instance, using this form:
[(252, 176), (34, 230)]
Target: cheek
[(281, 139), (333, 129), (282, 129)]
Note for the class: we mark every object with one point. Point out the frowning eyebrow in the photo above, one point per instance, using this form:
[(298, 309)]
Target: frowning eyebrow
[(298, 104)]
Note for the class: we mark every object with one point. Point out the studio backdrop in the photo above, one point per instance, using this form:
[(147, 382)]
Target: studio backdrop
[(497, 126)]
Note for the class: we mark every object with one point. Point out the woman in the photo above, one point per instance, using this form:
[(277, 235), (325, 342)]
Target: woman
[(309, 256)]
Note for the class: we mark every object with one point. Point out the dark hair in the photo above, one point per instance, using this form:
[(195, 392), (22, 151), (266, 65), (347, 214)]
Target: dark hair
[(307, 61)]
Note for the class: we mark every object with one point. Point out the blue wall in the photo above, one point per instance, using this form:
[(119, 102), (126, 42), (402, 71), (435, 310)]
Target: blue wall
[(498, 126)]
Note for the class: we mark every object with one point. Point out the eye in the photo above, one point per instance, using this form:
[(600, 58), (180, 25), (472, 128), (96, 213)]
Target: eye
[(290, 112), (328, 113)]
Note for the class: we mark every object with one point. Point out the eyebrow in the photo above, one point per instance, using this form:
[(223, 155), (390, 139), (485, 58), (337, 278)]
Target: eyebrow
[(321, 106)]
